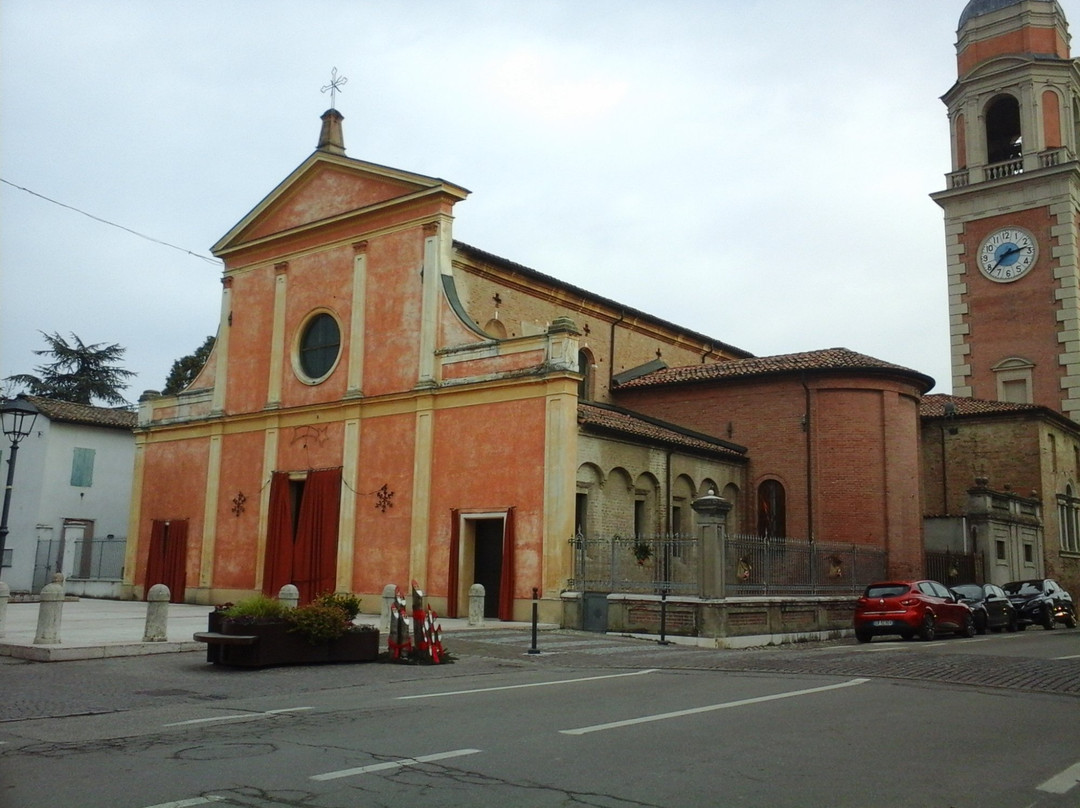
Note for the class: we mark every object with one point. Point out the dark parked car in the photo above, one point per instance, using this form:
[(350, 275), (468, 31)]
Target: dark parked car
[(1041, 601), (989, 604), (910, 608)]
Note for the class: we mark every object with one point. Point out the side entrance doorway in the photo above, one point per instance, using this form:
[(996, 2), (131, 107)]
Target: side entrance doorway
[(488, 560), (482, 552)]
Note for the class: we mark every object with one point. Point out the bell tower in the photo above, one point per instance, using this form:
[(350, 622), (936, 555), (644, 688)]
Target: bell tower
[(1012, 206)]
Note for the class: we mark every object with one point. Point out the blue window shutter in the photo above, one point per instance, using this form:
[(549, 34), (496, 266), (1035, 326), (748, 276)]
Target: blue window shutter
[(82, 468)]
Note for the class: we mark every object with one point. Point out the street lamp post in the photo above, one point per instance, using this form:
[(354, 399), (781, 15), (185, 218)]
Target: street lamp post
[(17, 416)]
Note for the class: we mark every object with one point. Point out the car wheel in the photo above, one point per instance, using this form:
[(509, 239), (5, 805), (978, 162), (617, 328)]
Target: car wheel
[(981, 624), (1048, 618), (1070, 620), (863, 636), (1021, 626), (969, 627), (1012, 625), (927, 631)]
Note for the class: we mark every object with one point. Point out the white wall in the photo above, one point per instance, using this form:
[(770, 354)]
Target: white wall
[(43, 497)]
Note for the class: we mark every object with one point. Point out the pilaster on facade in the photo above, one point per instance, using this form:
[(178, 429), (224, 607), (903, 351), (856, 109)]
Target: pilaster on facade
[(438, 251), (269, 465), (423, 457), (355, 378), (210, 511), (347, 517), (277, 336), (221, 348)]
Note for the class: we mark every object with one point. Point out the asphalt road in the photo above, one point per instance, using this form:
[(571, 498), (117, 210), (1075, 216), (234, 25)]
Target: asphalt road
[(590, 721)]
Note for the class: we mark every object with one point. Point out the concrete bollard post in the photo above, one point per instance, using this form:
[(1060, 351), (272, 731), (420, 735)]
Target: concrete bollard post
[(157, 614), (476, 605), (289, 596), (5, 596), (389, 593), (50, 612)]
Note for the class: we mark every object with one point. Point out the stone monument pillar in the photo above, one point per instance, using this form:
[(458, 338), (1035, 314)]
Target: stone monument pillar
[(712, 511)]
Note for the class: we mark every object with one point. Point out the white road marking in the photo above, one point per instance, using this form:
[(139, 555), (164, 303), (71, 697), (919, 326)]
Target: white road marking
[(188, 803), (394, 764), (1063, 782), (237, 717), (518, 687), (1074, 656), (709, 708)]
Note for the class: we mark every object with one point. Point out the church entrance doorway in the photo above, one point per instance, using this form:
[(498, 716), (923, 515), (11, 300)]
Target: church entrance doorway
[(488, 560), (482, 552)]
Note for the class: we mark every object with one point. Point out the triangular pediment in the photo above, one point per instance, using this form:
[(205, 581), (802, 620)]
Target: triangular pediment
[(327, 188)]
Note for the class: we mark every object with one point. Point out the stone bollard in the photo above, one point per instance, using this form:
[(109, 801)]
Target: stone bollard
[(389, 593), (476, 605), (5, 596), (289, 596), (157, 614), (50, 611)]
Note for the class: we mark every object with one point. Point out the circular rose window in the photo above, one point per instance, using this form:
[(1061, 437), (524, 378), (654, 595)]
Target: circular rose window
[(320, 345)]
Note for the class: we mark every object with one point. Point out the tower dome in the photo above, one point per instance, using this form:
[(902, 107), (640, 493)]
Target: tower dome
[(977, 8)]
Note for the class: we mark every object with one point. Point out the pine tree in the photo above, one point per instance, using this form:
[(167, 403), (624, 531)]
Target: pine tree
[(79, 373), (185, 369)]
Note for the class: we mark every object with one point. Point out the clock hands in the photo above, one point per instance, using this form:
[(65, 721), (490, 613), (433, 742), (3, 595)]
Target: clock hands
[(1004, 255)]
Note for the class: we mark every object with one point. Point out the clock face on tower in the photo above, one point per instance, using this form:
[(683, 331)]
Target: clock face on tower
[(1007, 254)]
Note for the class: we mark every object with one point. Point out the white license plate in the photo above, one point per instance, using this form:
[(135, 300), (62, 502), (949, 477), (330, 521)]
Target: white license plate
[(883, 622)]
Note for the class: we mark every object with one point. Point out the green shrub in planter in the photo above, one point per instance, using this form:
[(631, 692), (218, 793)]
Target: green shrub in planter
[(348, 603), (319, 623), (258, 607)]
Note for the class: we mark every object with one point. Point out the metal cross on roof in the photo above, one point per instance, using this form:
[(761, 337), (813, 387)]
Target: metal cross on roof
[(335, 85)]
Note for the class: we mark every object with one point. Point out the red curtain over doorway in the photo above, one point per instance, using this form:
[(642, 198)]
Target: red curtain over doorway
[(506, 574), (166, 562), (301, 545)]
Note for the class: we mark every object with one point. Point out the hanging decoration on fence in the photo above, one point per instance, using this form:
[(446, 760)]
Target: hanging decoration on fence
[(238, 503)]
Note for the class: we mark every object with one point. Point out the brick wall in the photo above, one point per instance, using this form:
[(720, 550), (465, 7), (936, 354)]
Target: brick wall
[(854, 466)]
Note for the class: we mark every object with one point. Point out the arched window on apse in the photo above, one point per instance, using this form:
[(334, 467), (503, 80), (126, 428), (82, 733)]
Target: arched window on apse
[(585, 368), (1003, 136), (771, 509)]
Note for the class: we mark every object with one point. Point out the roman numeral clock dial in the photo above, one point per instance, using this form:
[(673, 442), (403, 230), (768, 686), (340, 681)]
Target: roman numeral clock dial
[(1007, 254)]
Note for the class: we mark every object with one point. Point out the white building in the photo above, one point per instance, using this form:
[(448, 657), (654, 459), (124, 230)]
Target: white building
[(70, 499)]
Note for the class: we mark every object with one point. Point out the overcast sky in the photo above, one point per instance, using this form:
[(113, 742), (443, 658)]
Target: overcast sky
[(758, 171)]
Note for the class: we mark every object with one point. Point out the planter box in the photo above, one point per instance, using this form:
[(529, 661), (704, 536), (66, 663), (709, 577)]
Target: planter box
[(259, 645)]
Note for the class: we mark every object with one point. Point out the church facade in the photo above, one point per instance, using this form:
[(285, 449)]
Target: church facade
[(386, 404)]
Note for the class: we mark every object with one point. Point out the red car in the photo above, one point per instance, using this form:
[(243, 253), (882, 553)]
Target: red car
[(910, 608)]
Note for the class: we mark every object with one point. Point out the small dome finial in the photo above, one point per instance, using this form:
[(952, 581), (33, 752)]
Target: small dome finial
[(332, 137)]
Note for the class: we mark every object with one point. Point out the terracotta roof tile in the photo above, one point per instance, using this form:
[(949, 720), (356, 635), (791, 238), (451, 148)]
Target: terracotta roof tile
[(71, 413), (934, 406), (613, 419), (823, 360)]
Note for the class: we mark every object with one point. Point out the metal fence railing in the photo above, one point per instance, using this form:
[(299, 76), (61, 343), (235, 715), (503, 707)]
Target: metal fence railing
[(955, 568), (636, 564), (767, 565), (99, 559), (752, 565)]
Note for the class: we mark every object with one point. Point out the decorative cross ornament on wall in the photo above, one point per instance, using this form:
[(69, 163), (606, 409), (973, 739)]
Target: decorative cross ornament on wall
[(335, 85), (384, 498)]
